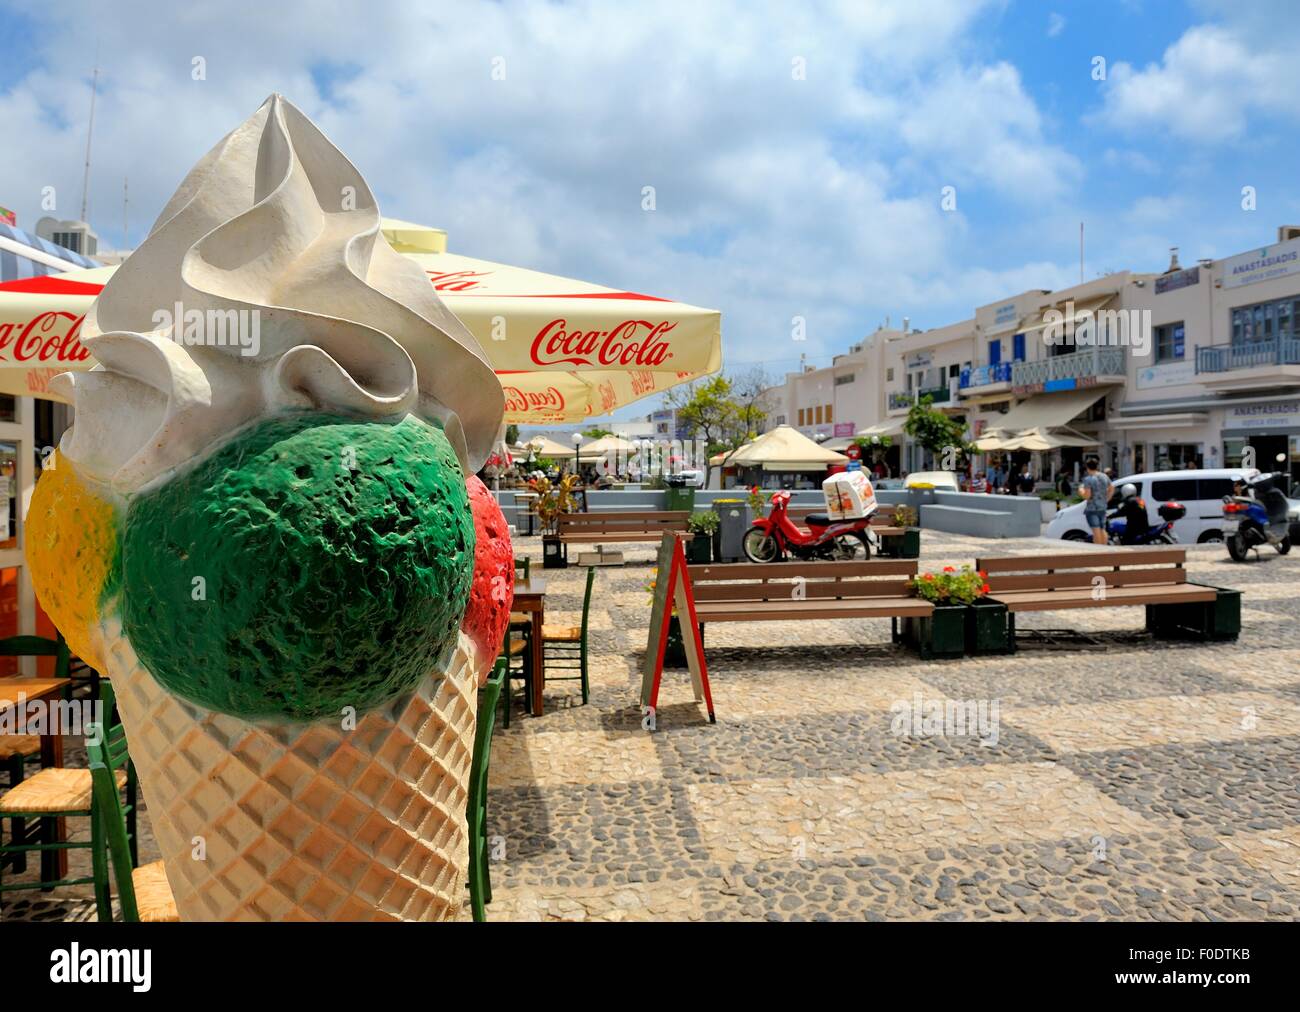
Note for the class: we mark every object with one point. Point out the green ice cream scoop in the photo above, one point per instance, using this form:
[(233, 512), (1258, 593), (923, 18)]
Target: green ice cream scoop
[(311, 564)]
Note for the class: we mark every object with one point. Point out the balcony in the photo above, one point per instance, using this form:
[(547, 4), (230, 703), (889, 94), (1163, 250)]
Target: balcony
[(901, 401), (1251, 364), (1090, 367), (985, 379)]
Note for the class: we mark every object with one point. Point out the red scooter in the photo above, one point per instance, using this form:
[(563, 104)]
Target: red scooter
[(772, 537)]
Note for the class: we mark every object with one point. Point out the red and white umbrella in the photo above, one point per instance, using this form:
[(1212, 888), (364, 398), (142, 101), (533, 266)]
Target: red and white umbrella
[(564, 350)]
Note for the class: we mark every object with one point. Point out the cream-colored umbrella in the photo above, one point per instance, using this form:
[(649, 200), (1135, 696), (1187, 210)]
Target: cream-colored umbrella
[(784, 448), (564, 350), (1040, 439)]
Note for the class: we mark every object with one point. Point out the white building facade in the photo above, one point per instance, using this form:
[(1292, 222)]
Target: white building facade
[(1195, 367)]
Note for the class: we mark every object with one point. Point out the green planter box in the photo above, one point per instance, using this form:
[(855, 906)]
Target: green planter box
[(988, 629), (1218, 620), (675, 650), (699, 550), (902, 546), (553, 556), (942, 635)]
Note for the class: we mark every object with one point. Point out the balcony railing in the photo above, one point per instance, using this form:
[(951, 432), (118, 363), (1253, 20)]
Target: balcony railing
[(1248, 355), (906, 398), (938, 395), (1076, 365), (982, 376)]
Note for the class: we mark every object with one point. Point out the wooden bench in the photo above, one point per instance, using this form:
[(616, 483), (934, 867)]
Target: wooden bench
[(789, 591), (617, 526), (1113, 578)]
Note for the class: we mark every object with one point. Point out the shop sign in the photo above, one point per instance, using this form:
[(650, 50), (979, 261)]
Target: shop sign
[(1170, 374), (1178, 279), (1283, 414), (1277, 261)]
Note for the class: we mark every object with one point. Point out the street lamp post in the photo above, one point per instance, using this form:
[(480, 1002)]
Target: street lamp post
[(577, 455)]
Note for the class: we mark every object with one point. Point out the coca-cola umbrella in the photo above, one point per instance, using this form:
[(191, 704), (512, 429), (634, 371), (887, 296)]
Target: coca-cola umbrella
[(564, 350)]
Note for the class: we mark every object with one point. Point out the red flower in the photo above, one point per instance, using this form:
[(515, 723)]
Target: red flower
[(983, 575), (984, 589), (928, 576), (949, 569)]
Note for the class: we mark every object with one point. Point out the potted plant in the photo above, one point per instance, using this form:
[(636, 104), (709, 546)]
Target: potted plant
[(943, 632), (702, 525), (551, 501), (907, 543), (1050, 501)]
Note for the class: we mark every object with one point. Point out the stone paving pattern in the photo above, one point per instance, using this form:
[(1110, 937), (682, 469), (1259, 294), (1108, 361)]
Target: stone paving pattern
[(1129, 779)]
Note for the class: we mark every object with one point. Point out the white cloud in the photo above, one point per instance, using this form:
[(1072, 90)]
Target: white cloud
[(776, 197), (1055, 24), (1206, 84), (981, 127)]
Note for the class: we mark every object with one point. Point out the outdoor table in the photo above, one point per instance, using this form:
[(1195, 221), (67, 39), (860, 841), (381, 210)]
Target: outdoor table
[(42, 690), (529, 598)]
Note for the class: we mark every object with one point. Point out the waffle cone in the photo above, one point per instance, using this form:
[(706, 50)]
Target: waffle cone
[(306, 821)]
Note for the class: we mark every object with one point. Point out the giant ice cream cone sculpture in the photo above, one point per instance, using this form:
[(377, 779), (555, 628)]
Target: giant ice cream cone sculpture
[(260, 529)]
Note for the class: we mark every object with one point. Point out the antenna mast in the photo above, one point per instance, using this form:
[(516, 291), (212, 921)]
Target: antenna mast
[(125, 219), (90, 127), (1080, 252)]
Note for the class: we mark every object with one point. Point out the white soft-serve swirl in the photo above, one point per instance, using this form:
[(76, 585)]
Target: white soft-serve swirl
[(275, 220)]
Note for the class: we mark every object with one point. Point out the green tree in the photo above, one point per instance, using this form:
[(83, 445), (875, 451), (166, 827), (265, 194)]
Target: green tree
[(942, 436), (705, 408), (512, 434), (595, 432)]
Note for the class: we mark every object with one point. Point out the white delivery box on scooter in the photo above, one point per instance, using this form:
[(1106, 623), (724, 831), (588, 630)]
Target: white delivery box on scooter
[(849, 496)]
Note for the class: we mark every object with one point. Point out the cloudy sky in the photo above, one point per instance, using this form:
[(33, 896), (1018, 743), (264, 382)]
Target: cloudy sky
[(799, 152)]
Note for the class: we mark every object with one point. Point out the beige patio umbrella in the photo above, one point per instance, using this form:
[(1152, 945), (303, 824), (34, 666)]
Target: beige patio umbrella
[(544, 447), (564, 350), (782, 449), (1040, 439)]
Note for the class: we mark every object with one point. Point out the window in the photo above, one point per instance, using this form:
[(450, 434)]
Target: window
[(830, 412), (801, 421), (1169, 342), (818, 412), (954, 370), (995, 351), (1266, 321), (889, 375), (1175, 456), (1018, 348), (849, 377), (780, 419), (1182, 489), (1213, 488)]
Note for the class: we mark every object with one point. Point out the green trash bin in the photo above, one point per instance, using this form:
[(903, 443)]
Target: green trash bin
[(681, 498)]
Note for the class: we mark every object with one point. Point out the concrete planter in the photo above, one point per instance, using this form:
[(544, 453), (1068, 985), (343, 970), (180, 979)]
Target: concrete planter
[(902, 546), (1048, 509)]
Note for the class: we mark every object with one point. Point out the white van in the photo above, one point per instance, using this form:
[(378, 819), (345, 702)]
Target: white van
[(1201, 491)]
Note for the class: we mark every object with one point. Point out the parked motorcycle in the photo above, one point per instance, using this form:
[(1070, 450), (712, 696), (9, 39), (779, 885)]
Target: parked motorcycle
[(772, 537), (1156, 534), (1262, 518)]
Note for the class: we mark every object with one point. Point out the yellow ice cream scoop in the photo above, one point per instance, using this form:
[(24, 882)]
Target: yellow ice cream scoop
[(72, 553)]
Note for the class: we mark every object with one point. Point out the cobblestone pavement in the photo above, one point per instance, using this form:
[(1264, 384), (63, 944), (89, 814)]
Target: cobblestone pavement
[(1126, 780)]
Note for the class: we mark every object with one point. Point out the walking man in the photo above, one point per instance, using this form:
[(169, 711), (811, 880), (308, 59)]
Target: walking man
[(1095, 490)]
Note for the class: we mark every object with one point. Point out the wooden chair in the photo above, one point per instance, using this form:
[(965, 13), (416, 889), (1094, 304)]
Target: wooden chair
[(144, 893), (518, 619), (19, 749), (564, 648), (59, 793), (517, 655), (480, 879)]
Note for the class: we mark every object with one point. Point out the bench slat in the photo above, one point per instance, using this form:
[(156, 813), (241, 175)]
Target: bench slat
[(808, 570), (1116, 597), (1083, 560), (1068, 580), (849, 590), (761, 611)]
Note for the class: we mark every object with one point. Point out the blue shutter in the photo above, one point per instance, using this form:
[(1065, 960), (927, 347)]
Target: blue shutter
[(1018, 348), (995, 351)]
